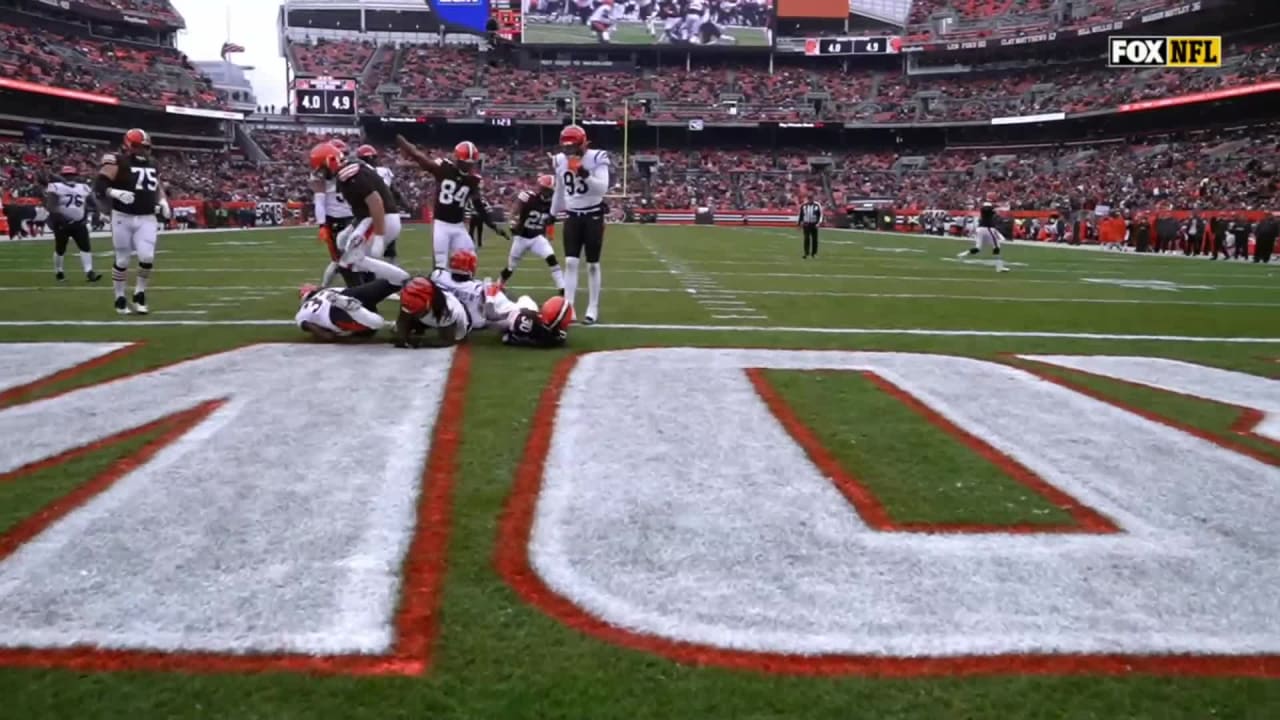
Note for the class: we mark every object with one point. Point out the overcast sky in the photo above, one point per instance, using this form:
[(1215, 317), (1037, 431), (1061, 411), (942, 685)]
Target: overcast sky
[(253, 25)]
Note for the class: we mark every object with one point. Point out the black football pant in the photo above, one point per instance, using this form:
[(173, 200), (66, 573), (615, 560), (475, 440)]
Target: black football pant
[(584, 235), (1242, 245), (810, 240), (78, 232), (477, 231), (1262, 253)]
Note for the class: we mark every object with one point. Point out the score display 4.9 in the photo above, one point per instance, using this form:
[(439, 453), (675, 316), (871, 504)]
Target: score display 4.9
[(324, 96), (852, 46)]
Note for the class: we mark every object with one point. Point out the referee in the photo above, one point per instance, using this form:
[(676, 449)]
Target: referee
[(809, 219)]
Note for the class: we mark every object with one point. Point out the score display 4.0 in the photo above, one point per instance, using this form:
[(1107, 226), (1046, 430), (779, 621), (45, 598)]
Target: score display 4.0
[(324, 96), (852, 46)]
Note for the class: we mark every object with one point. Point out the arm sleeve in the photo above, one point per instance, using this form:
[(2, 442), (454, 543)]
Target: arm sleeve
[(557, 198), (598, 181), (819, 207), (319, 205)]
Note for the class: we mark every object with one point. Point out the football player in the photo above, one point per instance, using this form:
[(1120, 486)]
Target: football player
[(423, 305), (375, 217), (67, 200), (987, 231), (581, 181), (601, 22), (529, 230), (459, 280), (342, 315), (129, 183), (333, 215), (456, 186), (524, 324), (368, 154)]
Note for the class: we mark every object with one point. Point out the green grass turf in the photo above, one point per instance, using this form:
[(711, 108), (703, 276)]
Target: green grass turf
[(916, 470), (498, 658)]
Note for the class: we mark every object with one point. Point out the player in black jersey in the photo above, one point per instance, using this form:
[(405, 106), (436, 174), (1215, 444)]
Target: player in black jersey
[(475, 223), (129, 183), (375, 216), (529, 230), (457, 186), (988, 231), (546, 327)]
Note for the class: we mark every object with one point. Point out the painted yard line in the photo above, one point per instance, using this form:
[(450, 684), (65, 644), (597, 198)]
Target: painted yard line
[(993, 277), (99, 288), (179, 312), (211, 305), (708, 328), (930, 262), (738, 317), (694, 282)]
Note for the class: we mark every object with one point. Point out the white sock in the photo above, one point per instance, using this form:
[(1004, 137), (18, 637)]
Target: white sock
[(327, 276), (570, 278), (557, 276), (57, 262), (593, 289), (86, 262)]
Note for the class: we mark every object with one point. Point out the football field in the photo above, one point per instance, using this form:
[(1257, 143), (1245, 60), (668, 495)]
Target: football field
[(885, 483)]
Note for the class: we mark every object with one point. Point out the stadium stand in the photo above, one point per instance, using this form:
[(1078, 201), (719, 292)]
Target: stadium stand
[(143, 74)]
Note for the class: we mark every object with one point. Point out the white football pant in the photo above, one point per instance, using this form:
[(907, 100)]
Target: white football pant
[(134, 235), (446, 237), (362, 250)]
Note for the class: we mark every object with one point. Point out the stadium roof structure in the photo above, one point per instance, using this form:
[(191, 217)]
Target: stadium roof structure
[(890, 11)]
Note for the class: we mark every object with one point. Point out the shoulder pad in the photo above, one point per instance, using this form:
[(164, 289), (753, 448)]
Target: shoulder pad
[(523, 196), (349, 170), (109, 159), (602, 157)]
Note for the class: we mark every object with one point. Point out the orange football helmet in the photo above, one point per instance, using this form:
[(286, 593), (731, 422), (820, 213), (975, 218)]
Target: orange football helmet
[(416, 295), (366, 152), (463, 262), (573, 139), (69, 170), (546, 185), (340, 144), (307, 291), (557, 313), (326, 159), (137, 141)]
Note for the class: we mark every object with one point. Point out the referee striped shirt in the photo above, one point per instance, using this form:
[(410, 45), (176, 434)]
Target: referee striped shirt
[(810, 213)]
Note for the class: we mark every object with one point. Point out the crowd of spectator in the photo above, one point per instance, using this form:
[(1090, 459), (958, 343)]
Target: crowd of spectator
[(1236, 170), (434, 80), (137, 73)]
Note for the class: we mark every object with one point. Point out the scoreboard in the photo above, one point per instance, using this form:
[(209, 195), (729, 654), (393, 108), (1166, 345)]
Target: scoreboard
[(852, 46), (324, 96)]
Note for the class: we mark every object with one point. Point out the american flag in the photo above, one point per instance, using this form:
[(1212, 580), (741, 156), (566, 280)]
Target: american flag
[(230, 47)]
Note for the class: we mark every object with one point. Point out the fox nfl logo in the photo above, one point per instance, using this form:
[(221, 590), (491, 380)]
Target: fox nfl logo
[(1171, 52)]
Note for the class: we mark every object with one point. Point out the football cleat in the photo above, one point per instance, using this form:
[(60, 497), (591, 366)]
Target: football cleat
[(122, 307), (326, 159), (1002, 268), (92, 276), (140, 303), (589, 320), (60, 276)]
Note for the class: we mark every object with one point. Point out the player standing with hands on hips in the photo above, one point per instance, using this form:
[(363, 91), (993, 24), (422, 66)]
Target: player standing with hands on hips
[(581, 181), (809, 219)]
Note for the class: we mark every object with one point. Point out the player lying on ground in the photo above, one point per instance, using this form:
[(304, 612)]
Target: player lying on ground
[(458, 279), (457, 188), (423, 305), (529, 230), (375, 217), (524, 324), (350, 314)]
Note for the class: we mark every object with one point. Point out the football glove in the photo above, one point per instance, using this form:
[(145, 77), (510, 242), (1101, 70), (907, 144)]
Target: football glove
[(124, 196), (166, 212)]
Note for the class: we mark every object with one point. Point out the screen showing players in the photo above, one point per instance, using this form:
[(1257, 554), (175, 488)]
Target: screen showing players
[(683, 23)]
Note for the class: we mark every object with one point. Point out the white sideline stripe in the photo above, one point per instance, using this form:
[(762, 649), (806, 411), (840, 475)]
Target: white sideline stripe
[(738, 317), (939, 333), (179, 312), (993, 278)]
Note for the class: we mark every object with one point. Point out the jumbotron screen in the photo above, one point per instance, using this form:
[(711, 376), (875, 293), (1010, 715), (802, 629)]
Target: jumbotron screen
[(682, 23)]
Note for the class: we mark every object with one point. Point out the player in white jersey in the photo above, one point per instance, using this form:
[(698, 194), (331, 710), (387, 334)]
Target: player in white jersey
[(368, 154), (333, 215), (582, 179), (349, 314), (423, 305), (67, 200), (601, 21)]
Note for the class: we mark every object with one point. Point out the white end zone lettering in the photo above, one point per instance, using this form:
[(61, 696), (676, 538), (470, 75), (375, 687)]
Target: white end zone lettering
[(270, 530), (703, 532), (24, 363)]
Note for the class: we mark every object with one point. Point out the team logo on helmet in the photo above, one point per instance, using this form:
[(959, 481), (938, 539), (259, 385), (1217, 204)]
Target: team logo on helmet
[(416, 295), (463, 262)]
